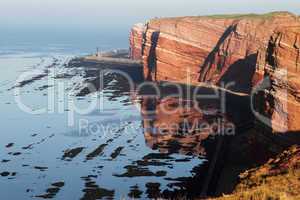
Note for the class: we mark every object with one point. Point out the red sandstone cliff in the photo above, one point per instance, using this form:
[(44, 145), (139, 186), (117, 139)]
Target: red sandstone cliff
[(280, 99), (221, 49), (136, 41)]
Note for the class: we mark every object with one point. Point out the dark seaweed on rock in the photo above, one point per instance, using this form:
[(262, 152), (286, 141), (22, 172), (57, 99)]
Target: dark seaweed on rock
[(157, 156), (116, 152), (15, 153), (63, 76), (44, 87), (10, 175), (4, 174), (42, 169), (97, 152), (92, 191), (135, 192), (71, 153), (52, 191), (9, 145), (30, 146), (135, 171), (153, 190)]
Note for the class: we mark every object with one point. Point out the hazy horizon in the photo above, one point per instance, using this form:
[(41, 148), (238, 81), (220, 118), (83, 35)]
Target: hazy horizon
[(112, 12), (106, 22)]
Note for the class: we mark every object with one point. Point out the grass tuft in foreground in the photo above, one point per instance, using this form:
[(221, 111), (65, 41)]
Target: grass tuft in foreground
[(279, 179)]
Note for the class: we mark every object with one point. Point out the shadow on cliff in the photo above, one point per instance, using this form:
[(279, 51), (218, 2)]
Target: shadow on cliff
[(252, 149), (152, 57), (210, 59), (240, 74)]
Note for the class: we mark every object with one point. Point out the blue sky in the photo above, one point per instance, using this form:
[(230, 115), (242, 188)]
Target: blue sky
[(119, 12), (107, 22)]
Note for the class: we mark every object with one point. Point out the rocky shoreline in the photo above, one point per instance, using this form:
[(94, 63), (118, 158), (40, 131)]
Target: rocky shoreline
[(246, 49)]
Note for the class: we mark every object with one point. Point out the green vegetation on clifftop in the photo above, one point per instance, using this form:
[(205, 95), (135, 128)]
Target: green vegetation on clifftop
[(250, 15)]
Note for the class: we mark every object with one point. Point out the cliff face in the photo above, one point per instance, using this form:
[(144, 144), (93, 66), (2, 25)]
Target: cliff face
[(136, 41), (207, 49), (241, 49), (280, 100)]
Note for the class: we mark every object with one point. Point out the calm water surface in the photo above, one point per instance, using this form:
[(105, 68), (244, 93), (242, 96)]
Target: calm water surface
[(41, 156)]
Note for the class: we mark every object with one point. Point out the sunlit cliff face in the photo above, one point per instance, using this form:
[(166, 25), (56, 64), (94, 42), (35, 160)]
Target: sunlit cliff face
[(175, 125)]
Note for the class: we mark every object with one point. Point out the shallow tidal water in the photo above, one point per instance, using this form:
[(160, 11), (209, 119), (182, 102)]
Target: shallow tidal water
[(50, 151)]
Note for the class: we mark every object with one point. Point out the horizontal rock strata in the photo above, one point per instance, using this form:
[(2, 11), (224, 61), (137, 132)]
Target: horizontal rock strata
[(236, 52)]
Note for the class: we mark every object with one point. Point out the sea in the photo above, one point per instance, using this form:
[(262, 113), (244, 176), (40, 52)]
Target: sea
[(44, 151)]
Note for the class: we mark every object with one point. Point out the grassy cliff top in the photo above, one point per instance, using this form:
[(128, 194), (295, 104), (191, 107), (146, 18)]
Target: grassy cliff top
[(251, 15), (264, 16)]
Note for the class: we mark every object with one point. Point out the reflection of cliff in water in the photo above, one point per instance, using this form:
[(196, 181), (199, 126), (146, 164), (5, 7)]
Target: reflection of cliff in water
[(201, 126), (177, 126), (180, 124)]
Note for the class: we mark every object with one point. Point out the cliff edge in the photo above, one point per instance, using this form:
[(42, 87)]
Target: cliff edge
[(238, 52)]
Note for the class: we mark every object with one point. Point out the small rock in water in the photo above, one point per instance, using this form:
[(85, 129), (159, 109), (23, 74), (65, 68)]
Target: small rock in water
[(4, 174), (9, 145), (71, 153), (135, 192), (15, 154), (58, 184), (52, 191), (41, 168)]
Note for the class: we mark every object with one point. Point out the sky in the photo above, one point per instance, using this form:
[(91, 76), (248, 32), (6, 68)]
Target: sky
[(120, 12), (111, 18)]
